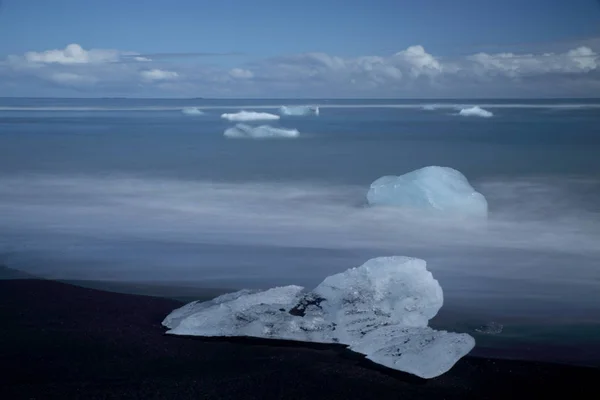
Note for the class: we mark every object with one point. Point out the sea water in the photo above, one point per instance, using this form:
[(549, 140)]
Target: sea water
[(134, 190)]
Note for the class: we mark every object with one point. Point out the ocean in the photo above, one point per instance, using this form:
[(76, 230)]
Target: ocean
[(136, 190)]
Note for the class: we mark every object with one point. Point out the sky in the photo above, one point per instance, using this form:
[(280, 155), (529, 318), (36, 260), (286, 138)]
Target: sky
[(312, 48)]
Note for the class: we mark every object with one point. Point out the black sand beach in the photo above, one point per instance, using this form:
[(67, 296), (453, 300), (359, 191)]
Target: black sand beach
[(60, 341)]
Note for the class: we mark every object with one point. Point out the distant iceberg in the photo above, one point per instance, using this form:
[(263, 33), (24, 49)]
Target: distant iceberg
[(246, 116), (475, 111), (380, 309), (298, 110), (192, 111), (440, 189), (241, 131), (430, 107)]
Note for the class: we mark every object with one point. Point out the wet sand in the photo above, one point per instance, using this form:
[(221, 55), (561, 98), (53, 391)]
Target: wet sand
[(60, 341)]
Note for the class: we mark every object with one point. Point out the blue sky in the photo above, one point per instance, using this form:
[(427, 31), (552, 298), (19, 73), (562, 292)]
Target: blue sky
[(312, 43)]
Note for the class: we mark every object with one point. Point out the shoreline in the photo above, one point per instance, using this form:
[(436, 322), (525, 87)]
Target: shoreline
[(64, 341), (520, 340), (571, 344)]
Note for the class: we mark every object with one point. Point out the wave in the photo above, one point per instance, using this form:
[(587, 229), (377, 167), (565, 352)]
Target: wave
[(538, 250), (524, 215), (537, 259), (299, 110), (475, 111), (242, 131), (246, 116)]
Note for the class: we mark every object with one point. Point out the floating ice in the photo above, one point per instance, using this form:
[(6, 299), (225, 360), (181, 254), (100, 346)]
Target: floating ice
[(430, 107), (380, 309), (475, 111), (299, 110), (192, 111), (431, 188), (249, 116), (243, 131)]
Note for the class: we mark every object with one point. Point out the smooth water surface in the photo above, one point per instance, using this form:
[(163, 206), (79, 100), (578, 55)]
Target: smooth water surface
[(135, 190)]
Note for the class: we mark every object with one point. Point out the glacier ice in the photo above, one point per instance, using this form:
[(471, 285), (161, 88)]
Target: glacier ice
[(298, 110), (433, 188), (243, 131), (192, 111), (380, 309), (245, 116), (475, 111)]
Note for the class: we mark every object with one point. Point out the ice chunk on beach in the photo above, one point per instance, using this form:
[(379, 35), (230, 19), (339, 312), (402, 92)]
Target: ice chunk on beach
[(175, 318), (192, 111), (441, 189), (242, 313), (399, 287), (245, 116), (243, 131), (380, 309), (299, 110), (475, 111)]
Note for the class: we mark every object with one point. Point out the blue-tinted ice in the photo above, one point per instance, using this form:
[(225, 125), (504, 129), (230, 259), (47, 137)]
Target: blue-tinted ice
[(440, 189), (299, 110), (380, 309), (192, 111)]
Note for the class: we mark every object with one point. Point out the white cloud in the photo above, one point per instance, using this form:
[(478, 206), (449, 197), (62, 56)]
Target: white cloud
[(158, 75), (377, 69), (240, 73), (576, 61), (584, 57), (418, 61), (409, 72), (331, 62), (133, 56), (72, 54), (367, 72)]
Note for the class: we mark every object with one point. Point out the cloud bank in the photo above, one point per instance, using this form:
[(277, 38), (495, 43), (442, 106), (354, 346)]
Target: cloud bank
[(412, 72)]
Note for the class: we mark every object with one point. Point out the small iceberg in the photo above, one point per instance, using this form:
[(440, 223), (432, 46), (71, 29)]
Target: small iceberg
[(246, 116), (475, 111), (192, 111), (243, 131), (441, 189), (380, 309), (299, 110)]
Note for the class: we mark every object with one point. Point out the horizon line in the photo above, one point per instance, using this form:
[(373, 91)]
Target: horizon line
[(303, 98)]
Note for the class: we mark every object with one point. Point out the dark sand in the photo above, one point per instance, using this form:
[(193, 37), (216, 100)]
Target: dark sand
[(60, 341)]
